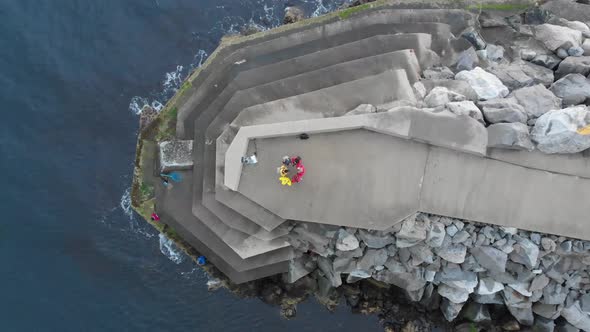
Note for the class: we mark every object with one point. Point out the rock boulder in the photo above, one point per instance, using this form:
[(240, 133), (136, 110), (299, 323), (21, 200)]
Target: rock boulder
[(573, 89), (503, 110), (510, 136), (555, 36), (486, 85), (536, 100), (573, 65), (563, 131)]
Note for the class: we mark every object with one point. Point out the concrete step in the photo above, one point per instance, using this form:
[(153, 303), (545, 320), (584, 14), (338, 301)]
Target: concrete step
[(391, 85), (212, 78), (323, 77), (174, 206), (294, 85), (440, 33)]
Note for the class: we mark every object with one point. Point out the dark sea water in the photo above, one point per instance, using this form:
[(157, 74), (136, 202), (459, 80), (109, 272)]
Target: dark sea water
[(73, 74)]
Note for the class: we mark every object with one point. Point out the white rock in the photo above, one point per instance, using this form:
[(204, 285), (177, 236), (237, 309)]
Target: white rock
[(440, 96), (455, 295), (563, 131), (454, 253), (346, 241), (466, 108), (555, 36), (486, 85), (573, 89), (575, 316), (488, 286)]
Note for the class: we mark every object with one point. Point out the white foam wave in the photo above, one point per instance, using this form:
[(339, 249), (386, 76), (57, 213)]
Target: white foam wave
[(125, 203), (170, 250)]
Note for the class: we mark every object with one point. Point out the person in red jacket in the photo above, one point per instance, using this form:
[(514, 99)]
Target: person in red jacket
[(300, 169)]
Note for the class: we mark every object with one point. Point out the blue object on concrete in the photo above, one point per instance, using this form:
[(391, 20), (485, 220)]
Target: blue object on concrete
[(201, 260), (176, 177)]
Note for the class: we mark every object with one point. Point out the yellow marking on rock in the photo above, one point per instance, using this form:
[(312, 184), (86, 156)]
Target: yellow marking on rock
[(584, 130)]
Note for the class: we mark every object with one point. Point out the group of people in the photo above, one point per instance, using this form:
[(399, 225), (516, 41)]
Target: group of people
[(284, 170)]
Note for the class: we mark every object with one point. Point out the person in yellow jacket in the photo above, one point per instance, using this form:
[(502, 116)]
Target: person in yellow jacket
[(285, 181)]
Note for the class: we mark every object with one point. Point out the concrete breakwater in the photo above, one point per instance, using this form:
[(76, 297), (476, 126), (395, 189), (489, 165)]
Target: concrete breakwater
[(446, 154)]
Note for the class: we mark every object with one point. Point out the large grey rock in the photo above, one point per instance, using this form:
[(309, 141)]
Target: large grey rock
[(525, 252), (573, 89), (466, 108), (325, 265), (357, 275), (454, 253), (488, 286), (550, 311), (467, 60), (421, 253), (575, 316), (585, 303), (554, 36), (573, 65), (455, 295), (317, 243), (486, 85), (490, 258), (459, 87), (510, 136), (405, 280), (346, 241), (539, 282), (375, 239), (520, 74), (575, 51), (412, 232), (372, 258), (438, 73), (549, 61), (176, 155), (503, 110), (523, 315), (344, 265), (576, 25), (450, 309), (563, 131), (515, 299), (554, 294), (441, 96), (495, 52), (436, 235), (536, 100)]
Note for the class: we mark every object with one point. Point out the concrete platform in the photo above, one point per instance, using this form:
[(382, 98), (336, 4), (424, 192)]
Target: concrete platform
[(353, 178)]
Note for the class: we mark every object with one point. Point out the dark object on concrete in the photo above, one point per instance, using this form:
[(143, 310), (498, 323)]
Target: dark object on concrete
[(293, 14), (473, 37), (304, 136)]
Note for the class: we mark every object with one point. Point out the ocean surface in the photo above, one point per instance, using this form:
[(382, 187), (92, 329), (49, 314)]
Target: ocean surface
[(73, 76)]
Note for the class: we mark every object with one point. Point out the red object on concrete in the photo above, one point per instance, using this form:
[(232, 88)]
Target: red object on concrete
[(300, 170), (155, 217)]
